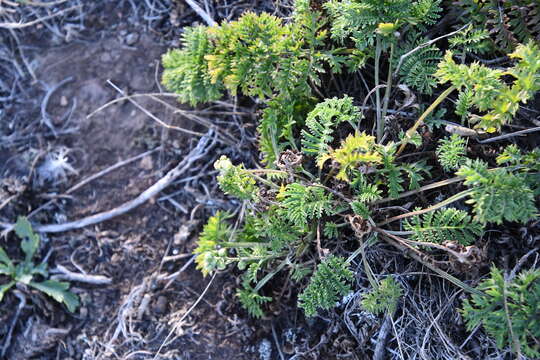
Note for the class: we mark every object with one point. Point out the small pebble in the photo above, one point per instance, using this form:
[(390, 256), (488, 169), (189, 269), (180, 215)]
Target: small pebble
[(132, 39), (105, 57), (182, 235), (64, 101), (147, 163), (160, 307)]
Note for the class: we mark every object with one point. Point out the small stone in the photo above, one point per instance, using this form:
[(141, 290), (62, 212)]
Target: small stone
[(64, 101), (105, 57), (132, 38), (160, 307), (181, 236), (83, 312), (147, 163)]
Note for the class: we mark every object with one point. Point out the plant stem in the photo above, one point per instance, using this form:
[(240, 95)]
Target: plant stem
[(242, 244), (264, 181), (423, 188), (361, 250), (422, 117), (380, 121), (387, 92), (270, 275), (439, 205)]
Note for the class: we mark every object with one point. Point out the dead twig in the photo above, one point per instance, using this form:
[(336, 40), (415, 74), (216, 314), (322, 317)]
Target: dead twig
[(506, 136), (12, 25), (204, 145), (22, 304), (382, 338), (152, 116), (520, 263), (45, 118), (203, 14), (65, 274)]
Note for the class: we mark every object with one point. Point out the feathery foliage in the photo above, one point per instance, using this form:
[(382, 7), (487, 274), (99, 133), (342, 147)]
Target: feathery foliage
[(322, 121), (235, 180), (186, 71), (342, 174), (417, 69), (498, 195), (355, 150), (251, 300), (470, 40), (303, 203), (509, 310), (444, 225), (328, 284), (359, 20), (484, 89), (451, 152), (508, 22), (383, 298)]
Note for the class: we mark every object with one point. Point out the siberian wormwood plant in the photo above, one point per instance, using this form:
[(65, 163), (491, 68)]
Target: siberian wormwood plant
[(327, 173), (26, 271)]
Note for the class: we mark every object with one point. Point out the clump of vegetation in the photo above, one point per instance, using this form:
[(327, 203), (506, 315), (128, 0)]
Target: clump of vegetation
[(508, 22), (384, 298), (330, 164), (508, 310), (329, 283), (26, 271)]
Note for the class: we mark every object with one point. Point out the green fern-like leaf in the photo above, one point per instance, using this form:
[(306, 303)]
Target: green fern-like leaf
[(331, 230), (365, 192), (186, 71), (322, 121), (251, 300), (277, 123), (528, 162), (417, 69), (355, 150), (360, 19), (303, 203), (392, 173), (383, 298), (416, 172), (498, 195), (471, 40), (444, 225), (360, 208), (508, 22), (451, 152), (278, 230), (328, 284), (508, 308), (486, 91)]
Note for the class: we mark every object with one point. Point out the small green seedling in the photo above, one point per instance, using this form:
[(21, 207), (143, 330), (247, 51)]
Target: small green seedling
[(25, 271)]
